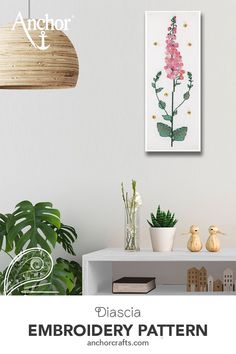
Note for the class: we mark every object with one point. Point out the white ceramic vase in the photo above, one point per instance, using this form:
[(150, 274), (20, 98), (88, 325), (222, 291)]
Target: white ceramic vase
[(162, 238)]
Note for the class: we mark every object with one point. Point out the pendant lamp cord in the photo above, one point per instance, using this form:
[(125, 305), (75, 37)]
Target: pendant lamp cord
[(29, 9)]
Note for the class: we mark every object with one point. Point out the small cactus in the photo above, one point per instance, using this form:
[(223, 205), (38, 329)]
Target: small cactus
[(162, 219)]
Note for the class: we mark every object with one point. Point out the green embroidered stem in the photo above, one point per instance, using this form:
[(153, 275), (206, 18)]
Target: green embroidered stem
[(159, 101), (164, 129), (181, 102), (187, 94)]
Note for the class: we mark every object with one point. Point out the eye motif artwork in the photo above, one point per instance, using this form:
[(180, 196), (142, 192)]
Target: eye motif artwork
[(173, 81)]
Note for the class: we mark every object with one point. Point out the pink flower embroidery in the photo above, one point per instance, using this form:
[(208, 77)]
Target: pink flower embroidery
[(174, 64), (175, 72)]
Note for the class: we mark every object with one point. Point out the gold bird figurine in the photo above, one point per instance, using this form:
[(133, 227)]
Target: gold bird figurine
[(194, 242), (213, 242)]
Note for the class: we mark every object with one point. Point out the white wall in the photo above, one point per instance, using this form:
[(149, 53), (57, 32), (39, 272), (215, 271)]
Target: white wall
[(74, 147)]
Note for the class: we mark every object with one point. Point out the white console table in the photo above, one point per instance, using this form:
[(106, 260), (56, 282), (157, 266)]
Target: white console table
[(100, 268)]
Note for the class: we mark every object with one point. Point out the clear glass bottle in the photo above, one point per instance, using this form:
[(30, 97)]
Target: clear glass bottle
[(132, 229)]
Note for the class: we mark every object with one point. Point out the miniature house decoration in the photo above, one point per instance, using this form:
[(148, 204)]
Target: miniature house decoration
[(210, 283), (218, 285), (199, 281), (228, 280)]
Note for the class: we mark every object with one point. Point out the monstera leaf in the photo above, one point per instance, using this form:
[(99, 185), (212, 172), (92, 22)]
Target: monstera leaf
[(4, 223), (65, 279), (2, 282), (29, 227), (61, 280), (14, 275), (76, 269), (66, 235)]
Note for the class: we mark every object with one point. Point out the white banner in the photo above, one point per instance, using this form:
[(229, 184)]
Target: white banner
[(119, 324)]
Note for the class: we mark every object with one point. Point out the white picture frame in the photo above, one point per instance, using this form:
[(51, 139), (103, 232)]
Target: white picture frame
[(183, 47)]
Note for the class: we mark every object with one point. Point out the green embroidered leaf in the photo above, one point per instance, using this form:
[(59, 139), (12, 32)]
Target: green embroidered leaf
[(153, 85), (180, 134), (158, 75), (162, 104), (167, 117), (159, 89), (186, 95), (164, 130), (189, 74), (175, 112)]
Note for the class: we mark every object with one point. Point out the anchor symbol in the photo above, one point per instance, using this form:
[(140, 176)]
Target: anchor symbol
[(43, 36)]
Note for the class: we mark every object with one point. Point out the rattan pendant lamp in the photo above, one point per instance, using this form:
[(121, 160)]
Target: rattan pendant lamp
[(22, 66)]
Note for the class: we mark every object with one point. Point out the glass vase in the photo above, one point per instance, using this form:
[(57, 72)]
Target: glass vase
[(131, 229)]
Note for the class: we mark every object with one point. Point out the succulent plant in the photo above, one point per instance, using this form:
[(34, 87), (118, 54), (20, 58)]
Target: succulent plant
[(162, 219)]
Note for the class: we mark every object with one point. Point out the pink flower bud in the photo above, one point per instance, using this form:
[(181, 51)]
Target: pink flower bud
[(173, 59)]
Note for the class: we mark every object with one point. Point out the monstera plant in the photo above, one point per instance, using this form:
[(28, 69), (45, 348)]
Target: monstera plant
[(39, 226)]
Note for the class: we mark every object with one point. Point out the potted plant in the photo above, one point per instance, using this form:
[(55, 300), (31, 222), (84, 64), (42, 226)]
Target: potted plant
[(39, 226), (162, 230)]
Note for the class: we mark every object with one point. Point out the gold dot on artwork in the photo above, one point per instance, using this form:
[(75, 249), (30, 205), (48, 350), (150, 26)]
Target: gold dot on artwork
[(185, 25), (154, 117), (189, 113), (155, 43), (166, 94), (189, 44)]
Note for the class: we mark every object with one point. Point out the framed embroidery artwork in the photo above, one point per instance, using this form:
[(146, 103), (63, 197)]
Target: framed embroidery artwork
[(173, 81)]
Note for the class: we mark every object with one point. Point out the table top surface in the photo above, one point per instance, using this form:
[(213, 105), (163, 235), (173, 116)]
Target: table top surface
[(118, 254)]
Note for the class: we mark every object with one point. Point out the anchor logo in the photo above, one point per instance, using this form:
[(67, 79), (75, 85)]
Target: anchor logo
[(43, 36), (20, 20), (41, 25)]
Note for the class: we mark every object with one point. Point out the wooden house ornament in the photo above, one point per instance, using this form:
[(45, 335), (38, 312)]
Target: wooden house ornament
[(210, 282), (197, 280), (228, 282), (218, 285)]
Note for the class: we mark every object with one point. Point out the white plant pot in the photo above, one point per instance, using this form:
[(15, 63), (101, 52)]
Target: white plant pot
[(162, 238)]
